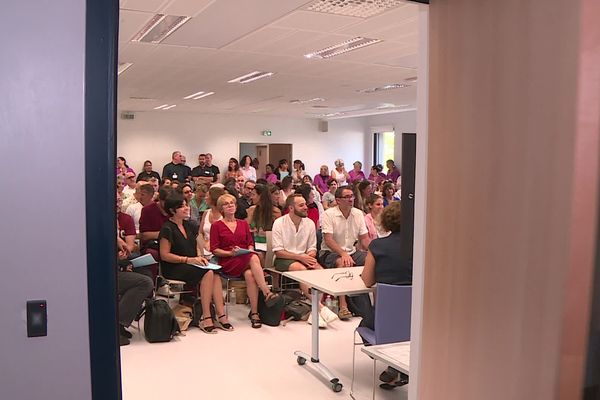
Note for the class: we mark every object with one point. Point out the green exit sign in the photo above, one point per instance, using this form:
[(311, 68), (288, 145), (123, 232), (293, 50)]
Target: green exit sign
[(267, 133)]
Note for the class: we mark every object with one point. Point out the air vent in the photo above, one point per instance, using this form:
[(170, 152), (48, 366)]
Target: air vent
[(159, 27), (127, 115), (341, 48), (354, 8)]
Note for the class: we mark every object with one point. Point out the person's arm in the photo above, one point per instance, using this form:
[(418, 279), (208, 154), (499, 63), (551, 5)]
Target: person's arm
[(148, 236), (130, 243), (250, 215), (368, 273), (347, 261), (167, 256), (364, 240)]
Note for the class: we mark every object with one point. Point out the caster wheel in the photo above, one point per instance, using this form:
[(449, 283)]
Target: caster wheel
[(336, 387), (301, 360)]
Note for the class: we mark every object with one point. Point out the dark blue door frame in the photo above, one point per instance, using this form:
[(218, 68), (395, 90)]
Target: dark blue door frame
[(102, 18)]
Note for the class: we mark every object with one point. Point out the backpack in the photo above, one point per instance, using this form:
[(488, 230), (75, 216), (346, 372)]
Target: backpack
[(270, 315), (160, 324), (297, 310)]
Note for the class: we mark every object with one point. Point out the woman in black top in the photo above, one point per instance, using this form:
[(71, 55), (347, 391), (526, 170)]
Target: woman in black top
[(180, 260), (382, 265)]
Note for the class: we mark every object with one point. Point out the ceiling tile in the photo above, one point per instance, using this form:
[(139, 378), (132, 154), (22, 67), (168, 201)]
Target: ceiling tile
[(144, 5), (314, 21), (130, 22), (185, 7)]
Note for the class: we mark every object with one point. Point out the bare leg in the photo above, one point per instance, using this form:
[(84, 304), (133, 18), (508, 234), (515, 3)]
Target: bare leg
[(252, 289), (217, 295), (341, 299), (259, 275), (206, 294), (298, 266)]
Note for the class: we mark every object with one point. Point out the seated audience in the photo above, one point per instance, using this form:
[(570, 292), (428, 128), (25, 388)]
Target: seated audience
[(245, 200), (188, 193), (387, 192), (312, 209), (329, 196), (275, 191), (147, 172), (233, 169), (382, 265), (132, 289), (393, 172), (126, 227), (343, 225), (287, 188), (356, 175), (270, 174), (339, 173), (209, 217), (262, 213), (180, 260), (362, 190), (247, 169), (295, 247), (373, 218), (198, 203), (376, 176), (129, 187), (282, 169), (122, 167), (321, 179), (145, 195), (152, 218), (298, 172), (228, 238)]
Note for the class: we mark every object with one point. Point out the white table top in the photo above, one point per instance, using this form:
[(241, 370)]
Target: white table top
[(332, 280), (396, 355)]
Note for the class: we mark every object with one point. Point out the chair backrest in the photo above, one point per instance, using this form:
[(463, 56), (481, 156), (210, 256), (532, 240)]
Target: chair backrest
[(392, 313)]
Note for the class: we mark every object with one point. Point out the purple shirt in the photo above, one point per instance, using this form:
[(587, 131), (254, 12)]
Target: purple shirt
[(356, 176), (393, 174), (320, 182), (271, 178)]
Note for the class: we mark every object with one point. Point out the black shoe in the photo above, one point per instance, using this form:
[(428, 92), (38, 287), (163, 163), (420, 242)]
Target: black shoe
[(123, 341), (124, 332)]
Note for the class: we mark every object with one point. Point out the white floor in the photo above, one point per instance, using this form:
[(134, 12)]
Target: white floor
[(247, 364)]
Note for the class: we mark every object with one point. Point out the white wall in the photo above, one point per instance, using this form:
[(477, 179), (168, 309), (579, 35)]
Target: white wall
[(43, 225), (154, 135), (402, 122)]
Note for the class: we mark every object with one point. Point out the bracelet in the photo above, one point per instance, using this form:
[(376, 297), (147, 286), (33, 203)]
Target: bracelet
[(186, 260)]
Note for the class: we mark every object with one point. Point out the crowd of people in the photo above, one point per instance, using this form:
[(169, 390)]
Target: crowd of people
[(187, 217)]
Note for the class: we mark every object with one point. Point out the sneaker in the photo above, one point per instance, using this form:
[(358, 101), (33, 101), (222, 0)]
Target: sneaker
[(165, 291), (344, 314), (328, 315), (322, 323)]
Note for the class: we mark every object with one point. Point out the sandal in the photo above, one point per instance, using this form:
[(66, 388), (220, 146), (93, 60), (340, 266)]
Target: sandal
[(226, 326), (207, 329), (392, 385), (271, 299), (344, 314), (255, 322)]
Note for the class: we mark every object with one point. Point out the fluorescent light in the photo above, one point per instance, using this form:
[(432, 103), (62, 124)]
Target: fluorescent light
[(252, 76), (123, 67), (159, 27), (168, 108), (204, 95), (161, 107), (192, 95), (344, 47), (307, 101)]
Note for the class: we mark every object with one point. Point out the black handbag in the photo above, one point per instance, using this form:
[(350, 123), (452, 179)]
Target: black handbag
[(297, 310), (270, 315)]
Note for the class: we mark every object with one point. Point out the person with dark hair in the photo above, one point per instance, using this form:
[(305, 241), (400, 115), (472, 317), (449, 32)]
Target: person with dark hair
[(387, 192), (298, 172), (255, 163), (376, 176), (180, 260), (147, 172), (320, 180), (247, 169), (270, 174), (309, 196), (287, 188), (383, 265), (202, 173), (362, 190), (275, 191), (210, 217), (176, 169), (233, 170), (262, 213), (198, 203), (373, 218), (282, 169), (122, 167), (165, 182), (228, 237), (328, 199), (245, 200), (215, 170), (343, 225), (392, 173)]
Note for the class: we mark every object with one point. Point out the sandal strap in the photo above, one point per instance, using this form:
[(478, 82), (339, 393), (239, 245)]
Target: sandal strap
[(202, 319), (221, 316)]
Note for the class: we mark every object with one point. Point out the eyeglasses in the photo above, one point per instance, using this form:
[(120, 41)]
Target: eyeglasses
[(348, 197), (339, 275)]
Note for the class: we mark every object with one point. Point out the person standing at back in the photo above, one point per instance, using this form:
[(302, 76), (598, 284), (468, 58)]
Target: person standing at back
[(176, 170), (147, 172)]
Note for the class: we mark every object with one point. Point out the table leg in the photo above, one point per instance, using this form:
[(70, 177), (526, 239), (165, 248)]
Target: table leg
[(336, 386)]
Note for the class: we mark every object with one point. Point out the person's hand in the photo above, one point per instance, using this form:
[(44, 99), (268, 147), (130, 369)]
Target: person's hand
[(347, 261), (122, 250), (198, 260), (235, 250), (129, 268), (307, 260)]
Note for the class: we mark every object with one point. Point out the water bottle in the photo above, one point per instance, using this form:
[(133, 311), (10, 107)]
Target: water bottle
[(334, 305), (329, 302), (232, 299)]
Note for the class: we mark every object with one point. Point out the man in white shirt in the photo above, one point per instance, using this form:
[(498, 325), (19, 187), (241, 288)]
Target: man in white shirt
[(295, 246), (342, 226), (129, 189)]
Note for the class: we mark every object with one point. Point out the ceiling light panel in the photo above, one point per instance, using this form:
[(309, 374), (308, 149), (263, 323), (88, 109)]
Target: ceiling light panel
[(123, 67), (354, 8), (159, 27), (307, 101), (344, 47), (252, 76), (385, 87)]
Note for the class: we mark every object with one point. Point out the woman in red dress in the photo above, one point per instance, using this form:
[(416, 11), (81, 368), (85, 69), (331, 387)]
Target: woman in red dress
[(229, 238)]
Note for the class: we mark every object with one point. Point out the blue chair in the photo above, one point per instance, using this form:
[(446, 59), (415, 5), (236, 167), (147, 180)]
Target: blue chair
[(392, 320)]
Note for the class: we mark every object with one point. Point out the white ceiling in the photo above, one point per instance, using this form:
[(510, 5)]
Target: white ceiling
[(225, 39)]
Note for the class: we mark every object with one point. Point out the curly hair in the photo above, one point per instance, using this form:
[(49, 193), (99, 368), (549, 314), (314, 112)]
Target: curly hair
[(391, 217)]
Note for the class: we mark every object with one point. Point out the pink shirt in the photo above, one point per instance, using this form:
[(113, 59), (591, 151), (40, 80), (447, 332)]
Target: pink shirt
[(356, 176)]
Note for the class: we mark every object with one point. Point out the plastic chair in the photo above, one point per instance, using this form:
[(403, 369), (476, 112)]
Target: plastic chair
[(392, 321)]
